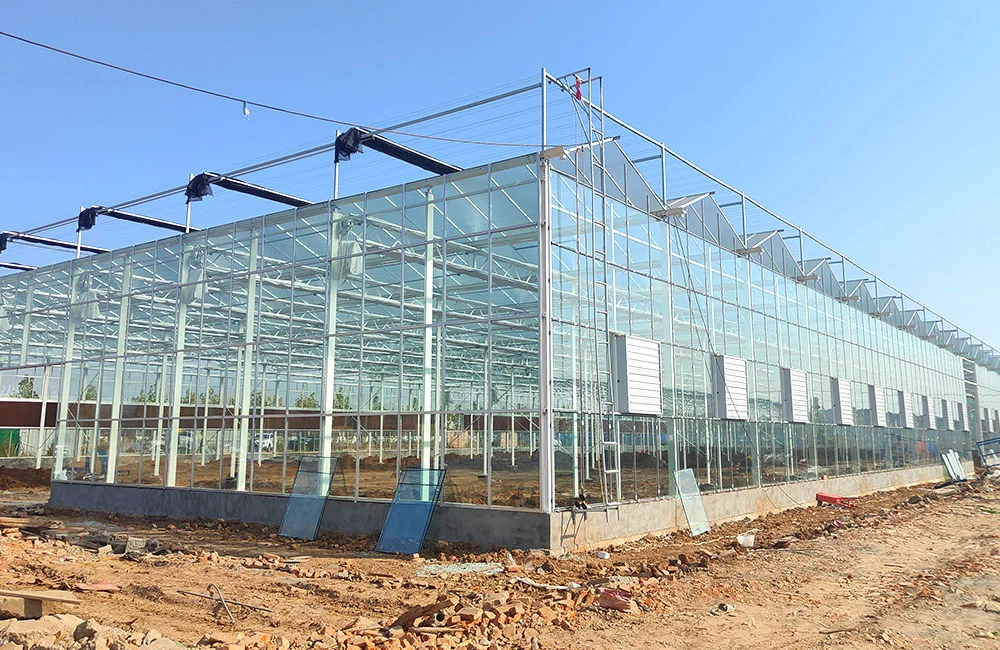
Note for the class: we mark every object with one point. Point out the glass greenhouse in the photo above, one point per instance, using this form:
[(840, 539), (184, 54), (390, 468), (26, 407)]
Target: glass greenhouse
[(577, 319)]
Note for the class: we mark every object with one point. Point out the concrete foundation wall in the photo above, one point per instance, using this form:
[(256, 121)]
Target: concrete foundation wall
[(578, 530), (486, 527), (506, 527)]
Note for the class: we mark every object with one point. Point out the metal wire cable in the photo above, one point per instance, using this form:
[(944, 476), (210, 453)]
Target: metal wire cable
[(247, 102)]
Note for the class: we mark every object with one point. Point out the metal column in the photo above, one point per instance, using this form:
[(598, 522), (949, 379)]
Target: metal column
[(546, 447), (111, 472)]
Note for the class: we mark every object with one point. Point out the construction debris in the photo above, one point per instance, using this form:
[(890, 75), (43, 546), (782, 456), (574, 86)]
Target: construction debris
[(513, 600), (833, 499)]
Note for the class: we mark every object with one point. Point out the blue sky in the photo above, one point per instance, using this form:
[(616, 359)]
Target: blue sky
[(872, 125)]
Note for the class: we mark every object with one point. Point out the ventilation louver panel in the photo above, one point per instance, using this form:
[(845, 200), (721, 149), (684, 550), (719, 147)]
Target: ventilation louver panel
[(843, 409), (794, 395), (635, 367), (905, 409), (731, 397), (876, 401)]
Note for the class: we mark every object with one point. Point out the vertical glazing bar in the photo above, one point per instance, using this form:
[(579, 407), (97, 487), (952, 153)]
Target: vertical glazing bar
[(204, 416), (26, 327)]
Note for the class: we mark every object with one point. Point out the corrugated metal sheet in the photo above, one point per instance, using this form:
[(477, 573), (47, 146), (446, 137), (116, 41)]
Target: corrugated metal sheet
[(731, 389), (944, 415), (843, 409), (636, 369), (876, 402), (987, 424), (905, 409), (926, 408), (793, 393)]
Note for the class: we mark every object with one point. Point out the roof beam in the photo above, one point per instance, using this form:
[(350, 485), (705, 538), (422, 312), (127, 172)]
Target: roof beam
[(201, 185), (16, 266), (352, 141), (7, 236), (88, 218)]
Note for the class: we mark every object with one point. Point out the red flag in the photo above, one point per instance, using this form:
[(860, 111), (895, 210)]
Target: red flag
[(579, 94)]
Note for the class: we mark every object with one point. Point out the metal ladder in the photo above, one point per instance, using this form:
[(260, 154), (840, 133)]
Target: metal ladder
[(607, 415)]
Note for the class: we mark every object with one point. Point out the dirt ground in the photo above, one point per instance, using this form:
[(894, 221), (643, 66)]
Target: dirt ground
[(901, 569)]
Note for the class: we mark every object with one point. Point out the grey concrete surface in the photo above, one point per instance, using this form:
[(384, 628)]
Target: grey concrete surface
[(486, 527), (506, 527)]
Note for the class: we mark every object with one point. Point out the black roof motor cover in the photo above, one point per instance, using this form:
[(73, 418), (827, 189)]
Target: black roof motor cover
[(198, 187)]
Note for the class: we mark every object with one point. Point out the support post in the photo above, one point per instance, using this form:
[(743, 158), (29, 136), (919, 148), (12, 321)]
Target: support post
[(158, 440), (426, 431), (333, 278), (65, 381), (246, 385), (546, 431), (41, 422), (180, 331), (111, 472), (187, 212), (336, 172)]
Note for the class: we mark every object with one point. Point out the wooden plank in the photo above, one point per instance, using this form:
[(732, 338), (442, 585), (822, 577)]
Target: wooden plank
[(47, 596)]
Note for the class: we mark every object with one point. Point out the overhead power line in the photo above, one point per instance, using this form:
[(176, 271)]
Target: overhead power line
[(246, 102)]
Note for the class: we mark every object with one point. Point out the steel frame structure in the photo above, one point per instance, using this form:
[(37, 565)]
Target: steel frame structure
[(316, 344)]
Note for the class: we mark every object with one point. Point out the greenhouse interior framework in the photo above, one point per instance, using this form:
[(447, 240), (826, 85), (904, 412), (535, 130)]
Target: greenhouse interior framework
[(563, 321)]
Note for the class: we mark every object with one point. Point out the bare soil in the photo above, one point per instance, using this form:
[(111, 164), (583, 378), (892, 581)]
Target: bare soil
[(18, 479), (901, 569)]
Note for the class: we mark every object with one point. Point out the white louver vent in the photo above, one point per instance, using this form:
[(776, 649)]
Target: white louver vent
[(960, 418), (876, 402), (843, 410), (793, 393), (731, 397), (905, 410), (987, 424), (926, 408), (635, 366)]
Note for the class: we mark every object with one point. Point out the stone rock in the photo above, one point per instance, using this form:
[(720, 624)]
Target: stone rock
[(226, 638), (30, 632), (162, 643)]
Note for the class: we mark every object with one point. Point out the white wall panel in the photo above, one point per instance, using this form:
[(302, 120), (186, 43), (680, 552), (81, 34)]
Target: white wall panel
[(731, 388)]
